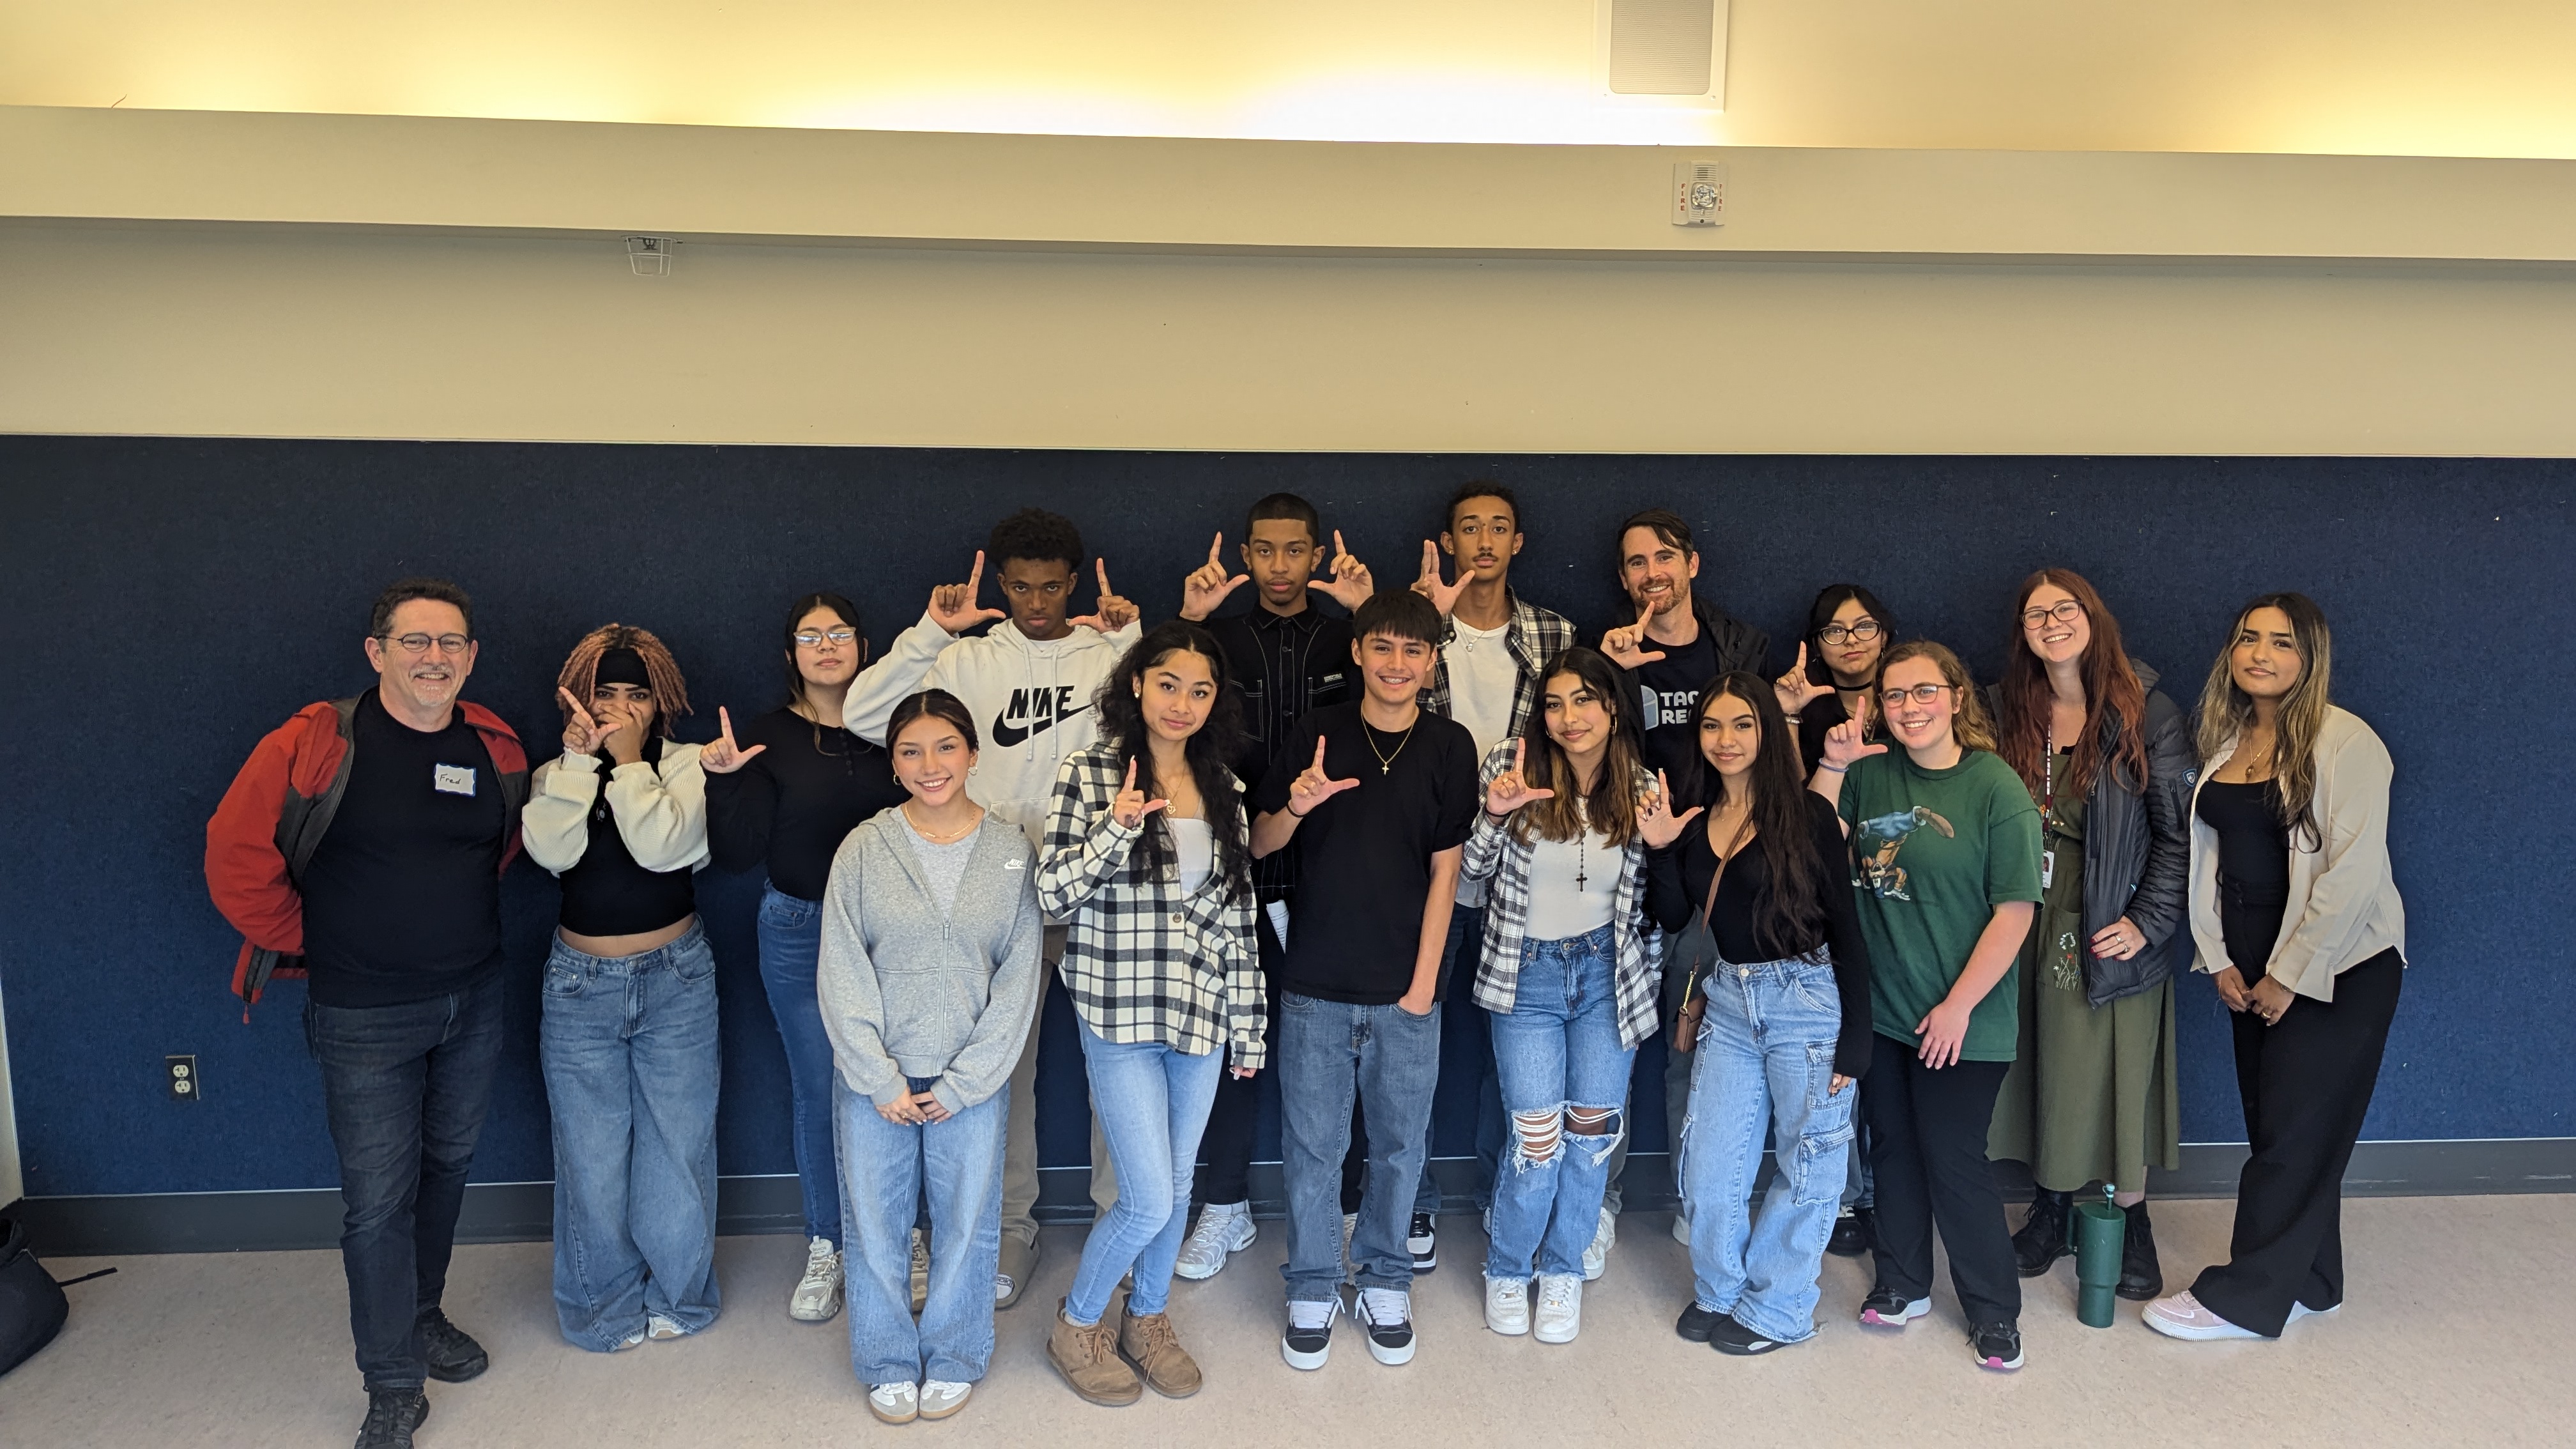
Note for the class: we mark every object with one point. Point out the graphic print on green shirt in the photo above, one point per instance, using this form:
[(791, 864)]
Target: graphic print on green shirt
[(1933, 853)]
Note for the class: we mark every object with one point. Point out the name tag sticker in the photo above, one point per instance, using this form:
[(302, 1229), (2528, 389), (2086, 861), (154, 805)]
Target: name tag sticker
[(453, 779)]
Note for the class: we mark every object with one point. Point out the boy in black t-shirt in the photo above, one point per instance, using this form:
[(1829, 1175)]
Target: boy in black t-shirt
[(1376, 799)]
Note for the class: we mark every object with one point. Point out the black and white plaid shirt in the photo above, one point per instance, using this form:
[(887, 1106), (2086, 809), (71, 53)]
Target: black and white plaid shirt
[(1494, 855), (1535, 637), (1143, 961)]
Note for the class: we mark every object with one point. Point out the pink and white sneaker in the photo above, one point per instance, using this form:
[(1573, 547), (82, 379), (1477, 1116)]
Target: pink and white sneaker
[(1887, 1308), (2180, 1315)]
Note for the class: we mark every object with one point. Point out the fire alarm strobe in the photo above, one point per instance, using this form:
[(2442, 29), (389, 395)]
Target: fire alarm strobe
[(1699, 193), (650, 255)]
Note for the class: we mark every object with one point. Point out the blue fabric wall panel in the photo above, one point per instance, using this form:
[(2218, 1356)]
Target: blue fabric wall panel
[(165, 602)]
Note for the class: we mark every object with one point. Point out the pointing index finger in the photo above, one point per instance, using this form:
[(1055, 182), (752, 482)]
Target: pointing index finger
[(975, 575), (1131, 775), (1217, 547)]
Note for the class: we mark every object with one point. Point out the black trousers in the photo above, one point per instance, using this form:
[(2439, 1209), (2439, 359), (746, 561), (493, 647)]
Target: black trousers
[(1225, 1146), (1927, 1152), (2306, 1084)]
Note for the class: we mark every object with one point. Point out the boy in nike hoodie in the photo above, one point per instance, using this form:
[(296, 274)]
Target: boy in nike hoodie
[(1029, 684)]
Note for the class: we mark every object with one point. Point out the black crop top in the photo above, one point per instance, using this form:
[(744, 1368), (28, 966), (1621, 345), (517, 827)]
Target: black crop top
[(607, 894), (790, 806), (2253, 868)]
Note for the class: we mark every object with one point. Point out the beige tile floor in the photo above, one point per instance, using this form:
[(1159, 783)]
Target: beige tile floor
[(2458, 1332)]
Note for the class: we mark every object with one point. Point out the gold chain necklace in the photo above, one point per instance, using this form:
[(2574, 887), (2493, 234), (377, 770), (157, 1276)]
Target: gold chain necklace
[(937, 839), (1385, 761)]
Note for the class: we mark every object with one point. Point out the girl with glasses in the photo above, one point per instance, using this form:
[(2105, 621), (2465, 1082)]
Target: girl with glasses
[(2091, 1094), (1848, 629), (1945, 859)]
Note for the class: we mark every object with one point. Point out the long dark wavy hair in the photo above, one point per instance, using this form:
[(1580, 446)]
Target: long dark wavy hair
[(2115, 699), (1611, 808), (1789, 911), (1123, 727)]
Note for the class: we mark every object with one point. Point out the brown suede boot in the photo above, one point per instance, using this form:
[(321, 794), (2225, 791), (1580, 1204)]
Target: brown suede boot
[(1151, 1345), (1088, 1359)]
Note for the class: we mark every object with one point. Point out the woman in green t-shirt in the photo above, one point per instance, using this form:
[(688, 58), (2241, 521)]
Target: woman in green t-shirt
[(1945, 863)]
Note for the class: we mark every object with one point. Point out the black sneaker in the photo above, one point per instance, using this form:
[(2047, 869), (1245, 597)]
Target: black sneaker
[(1851, 1234), (1997, 1346), (1694, 1323), (1308, 1343), (2042, 1239), (1423, 1243), (2142, 1279), (1887, 1308), (1730, 1337), (1387, 1314), (391, 1416), (449, 1353)]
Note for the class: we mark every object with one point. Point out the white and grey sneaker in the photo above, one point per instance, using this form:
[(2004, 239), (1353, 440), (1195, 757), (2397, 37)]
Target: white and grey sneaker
[(943, 1397), (817, 1298), (1387, 1314), (1559, 1315), (1596, 1257), (1224, 1229), (895, 1403), (1507, 1306)]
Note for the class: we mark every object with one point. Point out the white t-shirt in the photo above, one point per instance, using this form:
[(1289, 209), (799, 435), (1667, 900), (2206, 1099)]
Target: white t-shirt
[(1558, 908), (1195, 847), (1482, 678)]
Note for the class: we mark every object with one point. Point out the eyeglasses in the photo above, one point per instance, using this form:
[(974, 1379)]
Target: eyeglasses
[(1860, 633), (2064, 611), (1922, 693), (419, 643), (813, 638)]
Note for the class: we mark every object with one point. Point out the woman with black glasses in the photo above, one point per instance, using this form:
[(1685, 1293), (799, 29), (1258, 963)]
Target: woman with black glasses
[(1848, 629)]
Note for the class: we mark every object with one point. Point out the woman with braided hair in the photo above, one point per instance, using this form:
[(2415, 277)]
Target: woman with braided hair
[(627, 1040)]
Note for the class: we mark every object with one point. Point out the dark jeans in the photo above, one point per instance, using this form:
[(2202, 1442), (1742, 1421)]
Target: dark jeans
[(1927, 1149), (405, 1088), (2306, 1085)]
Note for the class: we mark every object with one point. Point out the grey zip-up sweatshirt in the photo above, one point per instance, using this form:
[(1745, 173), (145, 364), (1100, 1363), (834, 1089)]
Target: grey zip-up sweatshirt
[(909, 990)]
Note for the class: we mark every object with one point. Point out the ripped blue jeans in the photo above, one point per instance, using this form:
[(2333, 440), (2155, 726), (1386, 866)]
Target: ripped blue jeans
[(1765, 1059), (1562, 1066)]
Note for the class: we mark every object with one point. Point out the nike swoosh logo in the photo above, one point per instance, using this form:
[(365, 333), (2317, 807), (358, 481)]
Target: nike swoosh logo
[(1006, 734)]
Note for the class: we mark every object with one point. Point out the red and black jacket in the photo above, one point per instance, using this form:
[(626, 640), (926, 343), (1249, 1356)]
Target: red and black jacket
[(279, 807)]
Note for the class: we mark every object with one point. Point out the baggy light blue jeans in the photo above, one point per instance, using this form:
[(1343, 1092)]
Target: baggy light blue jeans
[(886, 1167), (1152, 1102), (1556, 1050), (1330, 1054), (791, 945), (628, 1047), (1765, 1059)]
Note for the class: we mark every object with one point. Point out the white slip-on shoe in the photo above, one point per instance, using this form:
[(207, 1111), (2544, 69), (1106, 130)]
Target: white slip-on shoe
[(942, 1397), (1596, 1257), (1507, 1306), (817, 1298), (658, 1327), (895, 1403), (1559, 1313), (1223, 1230), (2180, 1315)]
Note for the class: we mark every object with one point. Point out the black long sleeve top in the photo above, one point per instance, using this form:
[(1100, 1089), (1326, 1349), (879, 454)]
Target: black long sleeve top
[(790, 806)]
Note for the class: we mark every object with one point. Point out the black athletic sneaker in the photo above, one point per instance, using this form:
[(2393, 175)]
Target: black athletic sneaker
[(1997, 1346), (391, 1416), (447, 1351), (1423, 1243), (1887, 1308), (1694, 1323), (1851, 1234), (1729, 1336)]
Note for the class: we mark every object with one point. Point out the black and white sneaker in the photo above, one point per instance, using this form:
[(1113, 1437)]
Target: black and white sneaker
[(1309, 1339), (1387, 1314), (1728, 1336), (1997, 1346), (1887, 1308), (1695, 1323), (1423, 1242)]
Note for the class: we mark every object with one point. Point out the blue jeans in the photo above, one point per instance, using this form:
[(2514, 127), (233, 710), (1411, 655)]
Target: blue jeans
[(886, 1168), (1557, 1050), (404, 1088), (1765, 1059), (1152, 1103), (628, 1045), (1329, 1055), (791, 941)]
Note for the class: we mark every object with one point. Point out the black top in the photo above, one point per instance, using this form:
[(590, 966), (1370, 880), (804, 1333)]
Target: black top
[(2253, 869), (1670, 689), (402, 899), (607, 894), (1284, 665), (1364, 856), (791, 805), (1677, 881)]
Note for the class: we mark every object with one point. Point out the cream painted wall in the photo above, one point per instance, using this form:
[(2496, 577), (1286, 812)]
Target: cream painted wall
[(380, 333), (2401, 77)]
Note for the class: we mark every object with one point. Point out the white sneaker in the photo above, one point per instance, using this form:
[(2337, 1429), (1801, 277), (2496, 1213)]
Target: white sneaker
[(2183, 1316), (1507, 1305), (1001, 1289), (895, 1403), (1596, 1258), (629, 1341), (942, 1397), (658, 1327), (818, 1294), (1681, 1229), (1224, 1229), (1560, 1308)]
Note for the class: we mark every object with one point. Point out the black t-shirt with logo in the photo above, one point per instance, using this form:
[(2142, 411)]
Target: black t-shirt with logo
[(402, 898), (1668, 691)]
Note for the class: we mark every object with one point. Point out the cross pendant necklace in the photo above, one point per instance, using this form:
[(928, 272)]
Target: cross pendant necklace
[(1582, 846)]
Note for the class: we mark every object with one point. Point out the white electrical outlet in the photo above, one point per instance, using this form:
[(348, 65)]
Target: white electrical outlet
[(1699, 193)]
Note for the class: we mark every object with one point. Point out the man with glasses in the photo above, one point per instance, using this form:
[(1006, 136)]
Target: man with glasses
[(362, 846)]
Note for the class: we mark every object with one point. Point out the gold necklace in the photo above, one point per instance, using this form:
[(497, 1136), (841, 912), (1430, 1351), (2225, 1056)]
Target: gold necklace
[(937, 839), (1385, 761)]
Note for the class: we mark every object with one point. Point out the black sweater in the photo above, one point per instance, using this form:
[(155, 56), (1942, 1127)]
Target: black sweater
[(1677, 881), (790, 805)]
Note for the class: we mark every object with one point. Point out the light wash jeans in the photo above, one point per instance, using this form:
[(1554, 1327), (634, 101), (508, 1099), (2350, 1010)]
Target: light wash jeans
[(1330, 1054), (1558, 1048), (1765, 1059), (791, 943), (1152, 1103), (886, 1167), (628, 1046)]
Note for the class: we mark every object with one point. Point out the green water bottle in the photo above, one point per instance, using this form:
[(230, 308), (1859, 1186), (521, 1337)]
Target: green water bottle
[(2101, 1232)]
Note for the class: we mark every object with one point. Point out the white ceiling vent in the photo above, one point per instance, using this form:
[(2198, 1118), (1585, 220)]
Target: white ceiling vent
[(1661, 52)]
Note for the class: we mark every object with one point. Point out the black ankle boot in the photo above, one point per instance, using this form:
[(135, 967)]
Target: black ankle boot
[(2141, 1277), (2042, 1239)]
